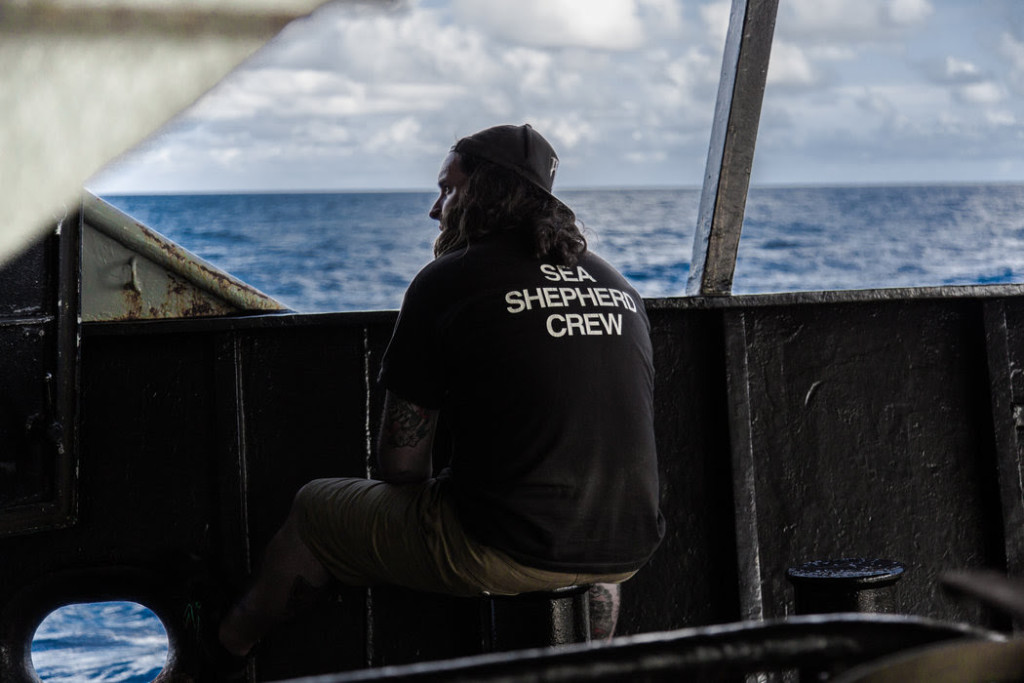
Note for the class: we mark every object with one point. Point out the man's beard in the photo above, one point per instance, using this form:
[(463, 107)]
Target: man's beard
[(451, 237)]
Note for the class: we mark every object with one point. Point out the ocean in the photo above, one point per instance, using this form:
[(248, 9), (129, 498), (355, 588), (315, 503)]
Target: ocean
[(358, 251)]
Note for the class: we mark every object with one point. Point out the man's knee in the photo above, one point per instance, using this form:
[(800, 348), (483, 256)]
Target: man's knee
[(308, 502), (306, 495)]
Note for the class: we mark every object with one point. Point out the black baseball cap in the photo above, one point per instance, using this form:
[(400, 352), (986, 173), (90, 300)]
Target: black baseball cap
[(520, 149)]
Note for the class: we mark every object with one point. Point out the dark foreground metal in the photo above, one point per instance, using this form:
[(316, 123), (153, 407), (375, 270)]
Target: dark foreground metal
[(946, 663), (817, 642)]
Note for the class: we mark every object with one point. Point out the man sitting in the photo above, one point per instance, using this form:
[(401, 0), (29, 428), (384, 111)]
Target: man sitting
[(538, 354)]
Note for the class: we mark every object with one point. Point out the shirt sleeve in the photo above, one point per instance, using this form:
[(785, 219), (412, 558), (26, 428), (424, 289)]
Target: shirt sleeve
[(412, 364)]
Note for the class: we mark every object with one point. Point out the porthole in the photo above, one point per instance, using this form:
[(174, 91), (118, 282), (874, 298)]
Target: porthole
[(113, 642)]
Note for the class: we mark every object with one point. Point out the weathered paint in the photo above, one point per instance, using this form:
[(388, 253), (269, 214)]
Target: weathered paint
[(131, 272), (119, 284)]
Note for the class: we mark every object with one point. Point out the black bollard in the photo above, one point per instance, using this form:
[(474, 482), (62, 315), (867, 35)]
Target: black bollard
[(541, 619), (850, 584)]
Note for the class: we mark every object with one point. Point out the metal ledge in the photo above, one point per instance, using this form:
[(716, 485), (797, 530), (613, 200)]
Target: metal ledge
[(115, 276), (807, 642)]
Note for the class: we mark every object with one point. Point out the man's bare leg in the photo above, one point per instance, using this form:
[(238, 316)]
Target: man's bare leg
[(289, 579), (604, 610)]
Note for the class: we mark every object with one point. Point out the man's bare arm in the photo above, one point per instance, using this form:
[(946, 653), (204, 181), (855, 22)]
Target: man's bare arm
[(406, 439)]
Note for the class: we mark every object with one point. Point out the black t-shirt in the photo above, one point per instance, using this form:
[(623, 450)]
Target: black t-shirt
[(545, 377)]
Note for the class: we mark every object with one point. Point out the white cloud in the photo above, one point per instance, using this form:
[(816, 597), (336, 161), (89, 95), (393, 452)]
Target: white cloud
[(400, 135), (227, 156), (903, 106), (908, 11), (329, 134), (308, 94), (958, 68), (951, 70), (715, 16), (600, 24), (866, 117), (1001, 118), (368, 96), (649, 157), (568, 132), (692, 70), (1012, 52), (662, 16), (830, 20), (817, 16), (410, 47), (830, 53), (534, 68), (985, 92), (789, 65)]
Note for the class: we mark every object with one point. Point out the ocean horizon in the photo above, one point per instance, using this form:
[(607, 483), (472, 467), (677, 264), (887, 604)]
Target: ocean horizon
[(345, 251)]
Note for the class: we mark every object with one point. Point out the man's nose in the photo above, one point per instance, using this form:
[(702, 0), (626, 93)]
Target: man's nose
[(435, 210)]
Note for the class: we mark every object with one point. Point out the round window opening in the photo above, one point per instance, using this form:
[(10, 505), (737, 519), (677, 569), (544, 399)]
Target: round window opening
[(113, 642)]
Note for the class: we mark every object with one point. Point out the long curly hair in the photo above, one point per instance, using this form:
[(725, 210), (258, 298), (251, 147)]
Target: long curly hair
[(495, 200)]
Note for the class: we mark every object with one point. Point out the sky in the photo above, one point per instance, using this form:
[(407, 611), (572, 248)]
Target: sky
[(370, 96)]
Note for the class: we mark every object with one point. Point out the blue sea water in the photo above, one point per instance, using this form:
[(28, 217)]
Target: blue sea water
[(358, 251), (108, 642), (351, 251)]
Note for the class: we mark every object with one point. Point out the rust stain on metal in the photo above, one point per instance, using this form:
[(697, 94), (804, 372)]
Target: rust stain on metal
[(228, 293), (132, 304), (178, 300)]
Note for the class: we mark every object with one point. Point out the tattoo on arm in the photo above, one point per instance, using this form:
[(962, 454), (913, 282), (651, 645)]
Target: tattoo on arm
[(408, 424)]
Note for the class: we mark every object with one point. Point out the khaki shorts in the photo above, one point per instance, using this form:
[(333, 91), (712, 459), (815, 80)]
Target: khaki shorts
[(369, 532)]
